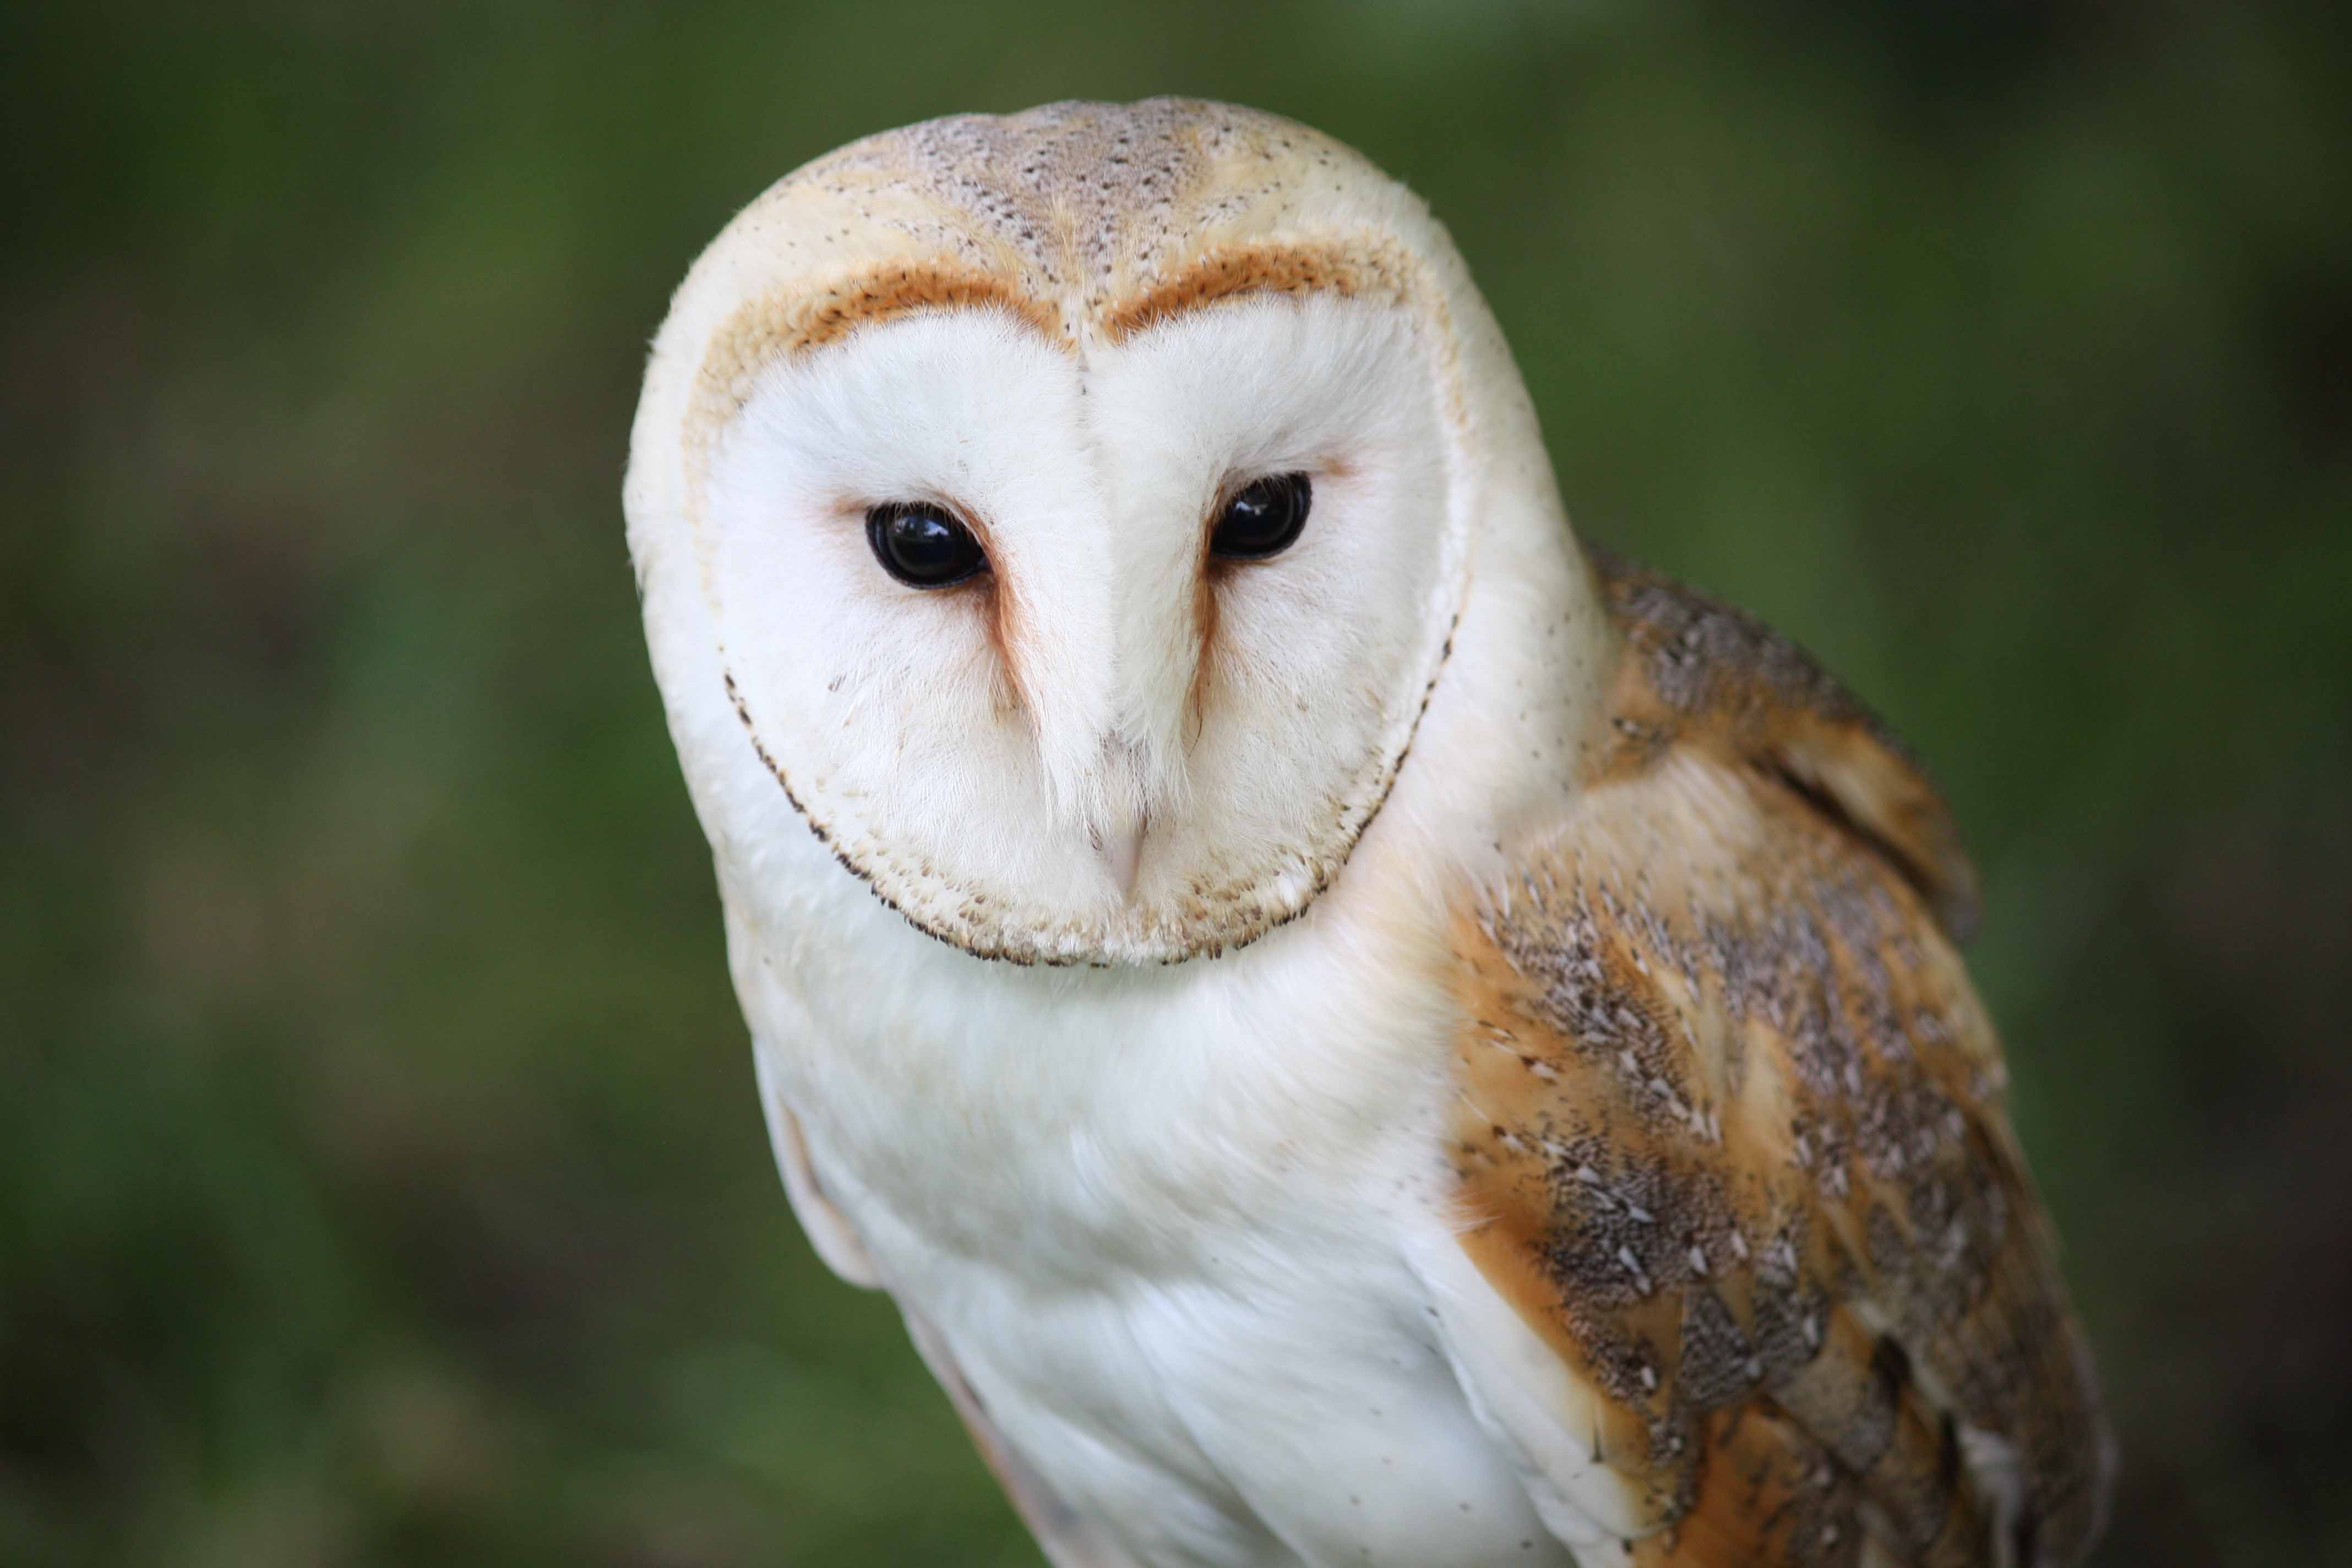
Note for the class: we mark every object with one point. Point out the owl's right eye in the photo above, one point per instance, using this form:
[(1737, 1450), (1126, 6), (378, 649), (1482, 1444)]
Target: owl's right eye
[(922, 545)]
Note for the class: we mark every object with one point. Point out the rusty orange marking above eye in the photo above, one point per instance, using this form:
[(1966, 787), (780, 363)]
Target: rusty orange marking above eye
[(1345, 269), (782, 324), (778, 325)]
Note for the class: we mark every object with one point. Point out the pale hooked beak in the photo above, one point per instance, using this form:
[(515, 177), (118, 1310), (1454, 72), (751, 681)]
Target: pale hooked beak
[(1121, 849)]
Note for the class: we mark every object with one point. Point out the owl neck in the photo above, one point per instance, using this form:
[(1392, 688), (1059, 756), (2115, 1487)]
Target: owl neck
[(955, 1106)]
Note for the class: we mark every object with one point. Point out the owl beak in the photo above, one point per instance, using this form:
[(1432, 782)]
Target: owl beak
[(1121, 849)]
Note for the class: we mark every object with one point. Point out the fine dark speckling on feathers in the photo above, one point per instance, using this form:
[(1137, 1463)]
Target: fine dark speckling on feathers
[(1731, 1128)]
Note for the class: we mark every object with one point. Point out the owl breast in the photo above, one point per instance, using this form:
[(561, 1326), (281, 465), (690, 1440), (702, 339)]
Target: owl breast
[(1227, 1416), (1180, 1301)]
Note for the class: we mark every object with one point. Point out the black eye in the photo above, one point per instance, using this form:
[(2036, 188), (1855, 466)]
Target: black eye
[(922, 546), (1264, 520)]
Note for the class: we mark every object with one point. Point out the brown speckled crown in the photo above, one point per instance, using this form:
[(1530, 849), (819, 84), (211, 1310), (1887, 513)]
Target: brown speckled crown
[(1086, 220), (1087, 200)]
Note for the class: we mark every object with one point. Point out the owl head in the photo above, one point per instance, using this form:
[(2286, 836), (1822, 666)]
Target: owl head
[(1069, 516)]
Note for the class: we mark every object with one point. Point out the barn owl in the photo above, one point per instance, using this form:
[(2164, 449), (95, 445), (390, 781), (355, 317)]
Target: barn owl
[(1354, 1028)]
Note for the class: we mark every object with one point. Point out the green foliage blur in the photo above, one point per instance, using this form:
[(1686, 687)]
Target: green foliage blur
[(381, 1175)]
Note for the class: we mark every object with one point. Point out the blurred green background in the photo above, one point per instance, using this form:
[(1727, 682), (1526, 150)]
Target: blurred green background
[(381, 1175)]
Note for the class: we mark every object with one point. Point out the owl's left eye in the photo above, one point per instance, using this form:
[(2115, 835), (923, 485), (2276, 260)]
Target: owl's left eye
[(923, 546), (1264, 518)]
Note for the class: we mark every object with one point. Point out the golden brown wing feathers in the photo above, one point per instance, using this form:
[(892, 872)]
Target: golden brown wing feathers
[(1767, 1493), (1703, 672), (1731, 1139)]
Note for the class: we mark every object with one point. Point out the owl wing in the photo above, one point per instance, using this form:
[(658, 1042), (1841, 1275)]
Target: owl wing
[(1751, 1270)]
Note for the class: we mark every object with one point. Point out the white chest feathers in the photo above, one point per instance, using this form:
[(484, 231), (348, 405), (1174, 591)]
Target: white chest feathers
[(1159, 1221)]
